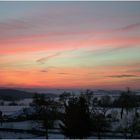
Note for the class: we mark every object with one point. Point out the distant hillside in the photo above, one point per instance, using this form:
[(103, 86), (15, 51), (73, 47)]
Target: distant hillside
[(13, 94)]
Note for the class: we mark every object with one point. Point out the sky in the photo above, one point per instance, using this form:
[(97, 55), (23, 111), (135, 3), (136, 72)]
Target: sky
[(70, 44)]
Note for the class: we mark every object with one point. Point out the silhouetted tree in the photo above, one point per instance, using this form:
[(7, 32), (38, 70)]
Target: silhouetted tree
[(1, 117), (39, 103), (131, 126), (105, 103), (100, 124), (135, 126), (88, 95), (76, 122), (64, 97), (44, 108), (127, 101)]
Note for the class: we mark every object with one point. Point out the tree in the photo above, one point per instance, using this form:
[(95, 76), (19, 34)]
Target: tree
[(64, 97), (135, 126), (39, 103), (130, 126), (105, 103), (76, 122), (44, 108), (99, 124), (127, 101), (1, 117), (88, 95)]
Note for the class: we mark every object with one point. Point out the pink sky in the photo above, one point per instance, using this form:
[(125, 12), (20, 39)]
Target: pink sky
[(70, 44)]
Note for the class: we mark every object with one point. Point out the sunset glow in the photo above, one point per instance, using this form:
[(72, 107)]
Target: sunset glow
[(70, 44)]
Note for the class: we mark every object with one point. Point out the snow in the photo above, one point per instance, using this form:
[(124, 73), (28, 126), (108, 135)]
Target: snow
[(14, 111), (25, 102), (25, 125), (56, 136), (7, 110), (16, 135)]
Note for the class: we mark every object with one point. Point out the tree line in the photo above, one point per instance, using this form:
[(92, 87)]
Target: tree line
[(84, 115)]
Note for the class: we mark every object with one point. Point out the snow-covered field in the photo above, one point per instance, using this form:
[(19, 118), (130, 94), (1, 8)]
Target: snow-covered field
[(16, 135), (53, 134), (8, 110), (13, 135), (27, 125), (23, 102)]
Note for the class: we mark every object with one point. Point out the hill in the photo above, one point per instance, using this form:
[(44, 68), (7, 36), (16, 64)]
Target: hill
[(17, 94), (13, 94)]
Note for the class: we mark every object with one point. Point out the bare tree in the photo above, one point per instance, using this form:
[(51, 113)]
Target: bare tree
[(105, 103)]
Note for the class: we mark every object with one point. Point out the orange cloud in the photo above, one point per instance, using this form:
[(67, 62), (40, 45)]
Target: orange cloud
[(69, 77)]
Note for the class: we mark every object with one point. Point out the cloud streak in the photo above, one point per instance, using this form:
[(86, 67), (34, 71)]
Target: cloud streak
[(45, 59), (123, 76), (129, 27)]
